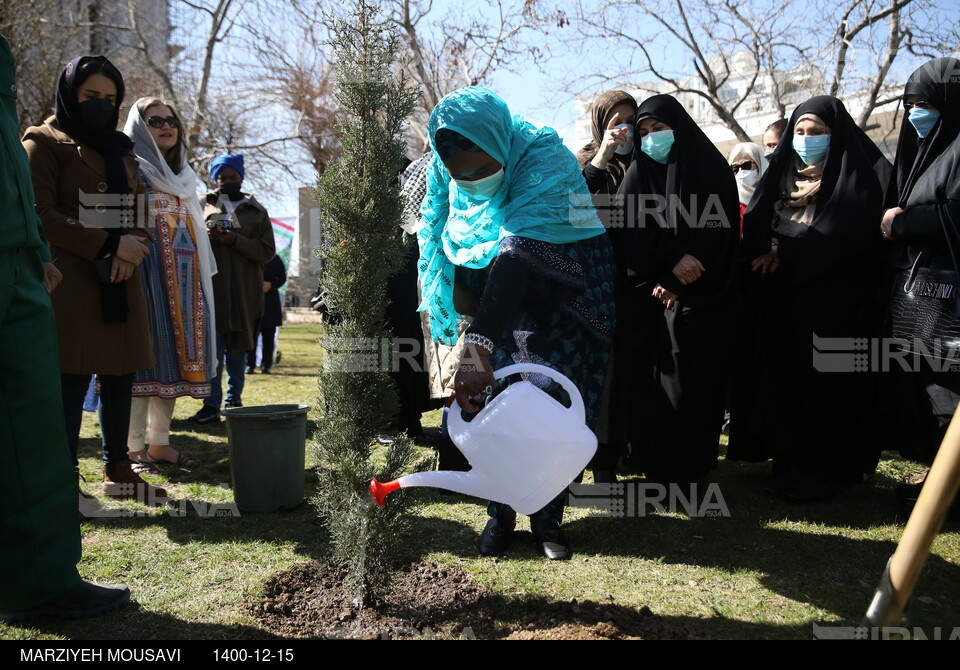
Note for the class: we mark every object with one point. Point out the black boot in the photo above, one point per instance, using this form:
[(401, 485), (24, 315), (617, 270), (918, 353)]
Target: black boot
[(550, 539), (497, 534)]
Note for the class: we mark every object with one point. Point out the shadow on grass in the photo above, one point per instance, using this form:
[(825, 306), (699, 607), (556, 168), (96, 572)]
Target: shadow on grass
[(286, 373), (536, 617), (821, 554), (190, 520), (828, 570), (135, 623)]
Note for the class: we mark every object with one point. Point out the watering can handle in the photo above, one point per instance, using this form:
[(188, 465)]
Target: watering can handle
[(576, 400)]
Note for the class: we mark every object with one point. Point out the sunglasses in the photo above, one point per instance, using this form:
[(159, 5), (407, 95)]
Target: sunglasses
[(919, 104), (746, 165), (158, 121)]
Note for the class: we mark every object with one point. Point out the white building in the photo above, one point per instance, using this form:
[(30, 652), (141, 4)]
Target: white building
[(757, 111)]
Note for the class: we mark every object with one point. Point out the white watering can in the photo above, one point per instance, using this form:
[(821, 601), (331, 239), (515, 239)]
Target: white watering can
[(524, 446)]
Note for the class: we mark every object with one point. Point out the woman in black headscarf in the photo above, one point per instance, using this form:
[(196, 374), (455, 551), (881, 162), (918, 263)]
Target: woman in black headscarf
[(86, 185), (810, 232), (923, 228), (675, 253)]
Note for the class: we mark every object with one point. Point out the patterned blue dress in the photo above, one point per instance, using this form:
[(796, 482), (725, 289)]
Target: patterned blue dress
[(565, 322), (178, 312)]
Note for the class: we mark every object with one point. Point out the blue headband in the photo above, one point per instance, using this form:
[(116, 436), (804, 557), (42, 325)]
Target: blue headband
[(234, 161)]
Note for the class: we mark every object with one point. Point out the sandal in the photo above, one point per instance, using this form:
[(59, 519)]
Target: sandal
[(144, 465), (183, 461)]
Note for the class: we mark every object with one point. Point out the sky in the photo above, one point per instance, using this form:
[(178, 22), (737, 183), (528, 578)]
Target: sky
[(534, 93)]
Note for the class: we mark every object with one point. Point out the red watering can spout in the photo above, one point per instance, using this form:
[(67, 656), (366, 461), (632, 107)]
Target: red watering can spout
[(379, 491)]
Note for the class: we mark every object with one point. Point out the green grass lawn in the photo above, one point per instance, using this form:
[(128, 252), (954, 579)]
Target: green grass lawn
[(768, 570)]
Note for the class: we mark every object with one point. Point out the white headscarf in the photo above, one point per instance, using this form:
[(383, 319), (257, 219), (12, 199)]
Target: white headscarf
[(756, 153), (182, 184)]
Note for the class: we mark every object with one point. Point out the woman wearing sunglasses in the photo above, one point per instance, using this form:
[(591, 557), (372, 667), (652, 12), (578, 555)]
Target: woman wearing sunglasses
[(748, 163), (177, 283), (84, 178)]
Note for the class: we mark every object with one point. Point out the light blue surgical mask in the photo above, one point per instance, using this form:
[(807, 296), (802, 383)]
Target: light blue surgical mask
[(482, 189), (923, 120), (812, 149), (657, 145)]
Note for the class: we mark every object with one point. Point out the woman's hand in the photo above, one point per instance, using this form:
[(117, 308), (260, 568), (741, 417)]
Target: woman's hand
[(688, 269), (51, 276), (613, 137), (131, 250), (120, 270), (886, 223), (665, 296), (473, 378), (769, 262)]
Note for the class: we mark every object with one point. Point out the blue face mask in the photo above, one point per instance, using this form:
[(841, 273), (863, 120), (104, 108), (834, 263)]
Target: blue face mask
[(657, 145), (482, 189), (923, 120), (812, 149)]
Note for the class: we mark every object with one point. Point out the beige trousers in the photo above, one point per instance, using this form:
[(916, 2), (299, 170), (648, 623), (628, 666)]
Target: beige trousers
[(150, 422)]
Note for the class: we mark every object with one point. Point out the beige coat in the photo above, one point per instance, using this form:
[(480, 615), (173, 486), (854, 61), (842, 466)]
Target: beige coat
[(442, 360), (61, 170)]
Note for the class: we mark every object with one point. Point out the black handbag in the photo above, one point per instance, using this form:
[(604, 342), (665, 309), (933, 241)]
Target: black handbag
[(925, 306)]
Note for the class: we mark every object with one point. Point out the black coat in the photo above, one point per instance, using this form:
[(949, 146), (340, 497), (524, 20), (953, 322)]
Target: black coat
[(671, 365), (815, 421), (275, 273), (926, 184)]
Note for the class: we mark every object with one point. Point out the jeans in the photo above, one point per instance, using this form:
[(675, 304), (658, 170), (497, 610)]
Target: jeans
[(115, 397), (236, 360)]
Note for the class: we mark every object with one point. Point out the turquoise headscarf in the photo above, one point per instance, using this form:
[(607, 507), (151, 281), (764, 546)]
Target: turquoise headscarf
[(542, 197)]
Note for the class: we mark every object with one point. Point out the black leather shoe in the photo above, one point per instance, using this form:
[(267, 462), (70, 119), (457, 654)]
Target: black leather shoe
[(550, 540), (496, 536), (81, 602), (206, 414)]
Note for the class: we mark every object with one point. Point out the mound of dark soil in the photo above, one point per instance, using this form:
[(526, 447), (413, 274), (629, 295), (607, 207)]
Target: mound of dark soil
[(428, 600)]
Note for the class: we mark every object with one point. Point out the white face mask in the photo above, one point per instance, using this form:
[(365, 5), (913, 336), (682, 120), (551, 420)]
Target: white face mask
[(769, 152), (627, 147), (482, 189), (749, 177)]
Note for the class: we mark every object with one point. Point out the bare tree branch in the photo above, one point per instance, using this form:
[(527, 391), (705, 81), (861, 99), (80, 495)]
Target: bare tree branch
[(845, 35), (463, 47), (893, 45), (745, 57)]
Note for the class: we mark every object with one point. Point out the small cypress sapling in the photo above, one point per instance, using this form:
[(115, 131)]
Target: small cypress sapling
[(361, 214)]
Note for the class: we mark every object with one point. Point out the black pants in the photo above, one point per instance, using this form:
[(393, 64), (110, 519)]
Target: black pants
[(115, 396), (266, 350)]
